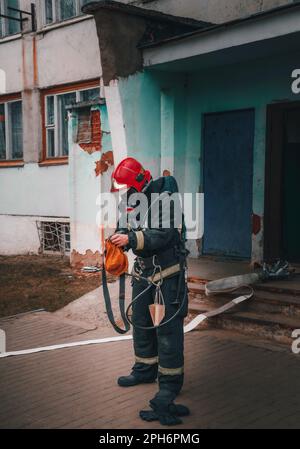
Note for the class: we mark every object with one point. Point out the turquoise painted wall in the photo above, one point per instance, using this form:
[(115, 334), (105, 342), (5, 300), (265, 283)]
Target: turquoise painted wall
[(106, 134), (141, 103), (254, 84)]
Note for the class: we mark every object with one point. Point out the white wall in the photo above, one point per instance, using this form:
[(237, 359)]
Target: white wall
[(85, 188), (26, 195), (68, 53), (11, 63), (34, 190), (19, 235)]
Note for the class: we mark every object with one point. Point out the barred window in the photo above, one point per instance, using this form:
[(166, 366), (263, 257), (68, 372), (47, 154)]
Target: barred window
[(54, 237)]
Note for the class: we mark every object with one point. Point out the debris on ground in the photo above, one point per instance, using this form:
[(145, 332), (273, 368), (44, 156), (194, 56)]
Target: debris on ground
[(41, 282)]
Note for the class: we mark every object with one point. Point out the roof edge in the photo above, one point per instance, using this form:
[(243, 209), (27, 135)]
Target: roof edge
[(216, 27), (158, 16)]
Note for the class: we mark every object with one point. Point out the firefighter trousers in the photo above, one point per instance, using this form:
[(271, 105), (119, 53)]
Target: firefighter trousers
[(159, 352)]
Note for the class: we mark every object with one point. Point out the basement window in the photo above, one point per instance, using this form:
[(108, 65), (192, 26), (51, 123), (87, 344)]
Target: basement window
[(54, 237)]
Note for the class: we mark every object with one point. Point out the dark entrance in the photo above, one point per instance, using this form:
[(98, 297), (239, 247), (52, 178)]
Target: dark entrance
[(282, 205), (228, 179)]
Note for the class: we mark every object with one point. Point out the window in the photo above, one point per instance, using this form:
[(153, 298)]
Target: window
[(11, 131), (58, 10), (9, 26), (54, 237), (56, 119)]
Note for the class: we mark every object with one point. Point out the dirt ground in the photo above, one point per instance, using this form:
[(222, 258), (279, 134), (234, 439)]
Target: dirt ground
[(40, 282)]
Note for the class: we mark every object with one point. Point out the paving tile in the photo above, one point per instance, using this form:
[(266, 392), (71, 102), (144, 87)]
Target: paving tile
[(229, 384)]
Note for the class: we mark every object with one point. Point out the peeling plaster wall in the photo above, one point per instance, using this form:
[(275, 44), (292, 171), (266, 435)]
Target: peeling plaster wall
[(216, 11), (85, 190), (251, 85)]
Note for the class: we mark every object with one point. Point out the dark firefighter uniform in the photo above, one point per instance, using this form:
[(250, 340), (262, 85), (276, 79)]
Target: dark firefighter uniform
[(159, 352)]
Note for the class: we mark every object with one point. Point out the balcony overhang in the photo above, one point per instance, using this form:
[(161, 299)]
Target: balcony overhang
[(124, 29), (257, 36)]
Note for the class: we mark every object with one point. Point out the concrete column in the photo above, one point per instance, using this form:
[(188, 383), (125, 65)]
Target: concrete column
[(32, 123), (116, 121), (167, 132)]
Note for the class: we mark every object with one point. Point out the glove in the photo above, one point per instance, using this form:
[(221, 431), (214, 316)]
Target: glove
[(178, 411), (164, 410)]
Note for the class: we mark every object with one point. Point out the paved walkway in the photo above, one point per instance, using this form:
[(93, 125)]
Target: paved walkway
[(229, 382)]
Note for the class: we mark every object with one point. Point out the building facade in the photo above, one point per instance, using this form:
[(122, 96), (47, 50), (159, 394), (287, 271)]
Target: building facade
[(44, 70), (177, 107), (218, 107)]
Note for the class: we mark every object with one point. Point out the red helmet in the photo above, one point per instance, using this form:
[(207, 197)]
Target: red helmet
[(130, 174)]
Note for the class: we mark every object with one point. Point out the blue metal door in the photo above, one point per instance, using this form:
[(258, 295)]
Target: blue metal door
[(228, 174)]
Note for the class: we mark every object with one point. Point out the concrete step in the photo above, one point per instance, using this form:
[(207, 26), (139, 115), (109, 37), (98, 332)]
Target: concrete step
[(264, 300), (271, 314), (275, 327)]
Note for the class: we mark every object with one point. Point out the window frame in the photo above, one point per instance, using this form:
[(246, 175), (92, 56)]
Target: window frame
[(57, 13), (4, 23), (6, 100), (78, 87)]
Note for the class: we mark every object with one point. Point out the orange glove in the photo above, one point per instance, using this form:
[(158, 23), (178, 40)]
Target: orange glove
[(116, 261)]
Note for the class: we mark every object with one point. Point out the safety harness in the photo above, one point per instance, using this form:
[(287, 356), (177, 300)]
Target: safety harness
[(154, 281)]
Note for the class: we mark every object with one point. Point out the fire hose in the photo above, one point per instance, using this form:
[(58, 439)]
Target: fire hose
[(280, 270)]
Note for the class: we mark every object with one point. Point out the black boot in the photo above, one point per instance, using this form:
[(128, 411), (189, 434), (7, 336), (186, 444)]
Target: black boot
[(132, 381), (177, 410), (164, 410), (141, 374)]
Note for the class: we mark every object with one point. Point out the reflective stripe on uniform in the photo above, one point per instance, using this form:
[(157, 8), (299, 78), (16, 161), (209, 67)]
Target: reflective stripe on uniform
[(171, 371), (140, 238), (163, 275), (166, 273), (147, 361)]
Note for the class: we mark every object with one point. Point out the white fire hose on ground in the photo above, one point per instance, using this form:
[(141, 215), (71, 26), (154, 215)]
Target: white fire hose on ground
[(221, 286), (227, 285)]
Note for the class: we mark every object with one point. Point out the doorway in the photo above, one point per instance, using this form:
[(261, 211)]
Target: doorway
[(282, 209), (228, 179)]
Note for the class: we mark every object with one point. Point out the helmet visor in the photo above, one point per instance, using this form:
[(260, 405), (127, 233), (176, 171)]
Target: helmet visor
[(117, 186)]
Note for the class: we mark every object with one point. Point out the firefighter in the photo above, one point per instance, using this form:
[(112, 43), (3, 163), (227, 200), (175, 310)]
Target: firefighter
[(159, 352)]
